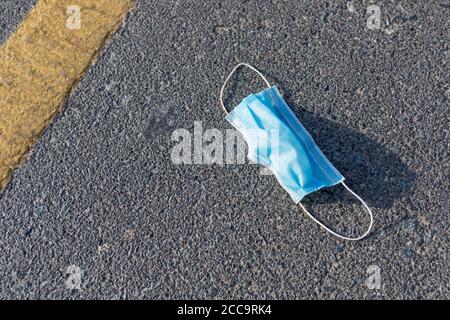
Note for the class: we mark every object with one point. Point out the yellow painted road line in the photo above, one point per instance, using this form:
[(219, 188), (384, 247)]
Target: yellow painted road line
[(42, 61)]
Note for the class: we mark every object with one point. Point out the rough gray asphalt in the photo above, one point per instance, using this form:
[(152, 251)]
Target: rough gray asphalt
[(100, 192)]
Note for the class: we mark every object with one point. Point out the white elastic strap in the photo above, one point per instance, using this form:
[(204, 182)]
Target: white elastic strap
[(231, 74), (336, 234)]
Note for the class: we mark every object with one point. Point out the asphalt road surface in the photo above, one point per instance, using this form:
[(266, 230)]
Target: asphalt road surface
[(99, 209)]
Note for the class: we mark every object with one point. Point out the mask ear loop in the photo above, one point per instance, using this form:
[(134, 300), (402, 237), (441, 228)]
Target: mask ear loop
[(231, 74), (335, 233)]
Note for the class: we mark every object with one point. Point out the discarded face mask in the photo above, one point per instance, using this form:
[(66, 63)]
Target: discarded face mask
[(277, 140)]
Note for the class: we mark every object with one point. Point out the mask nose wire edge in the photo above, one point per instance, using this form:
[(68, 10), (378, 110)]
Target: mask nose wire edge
[(242, 64), (335, 233)]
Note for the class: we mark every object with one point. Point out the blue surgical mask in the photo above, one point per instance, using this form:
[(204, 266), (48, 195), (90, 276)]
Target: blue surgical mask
[(277, 140)]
